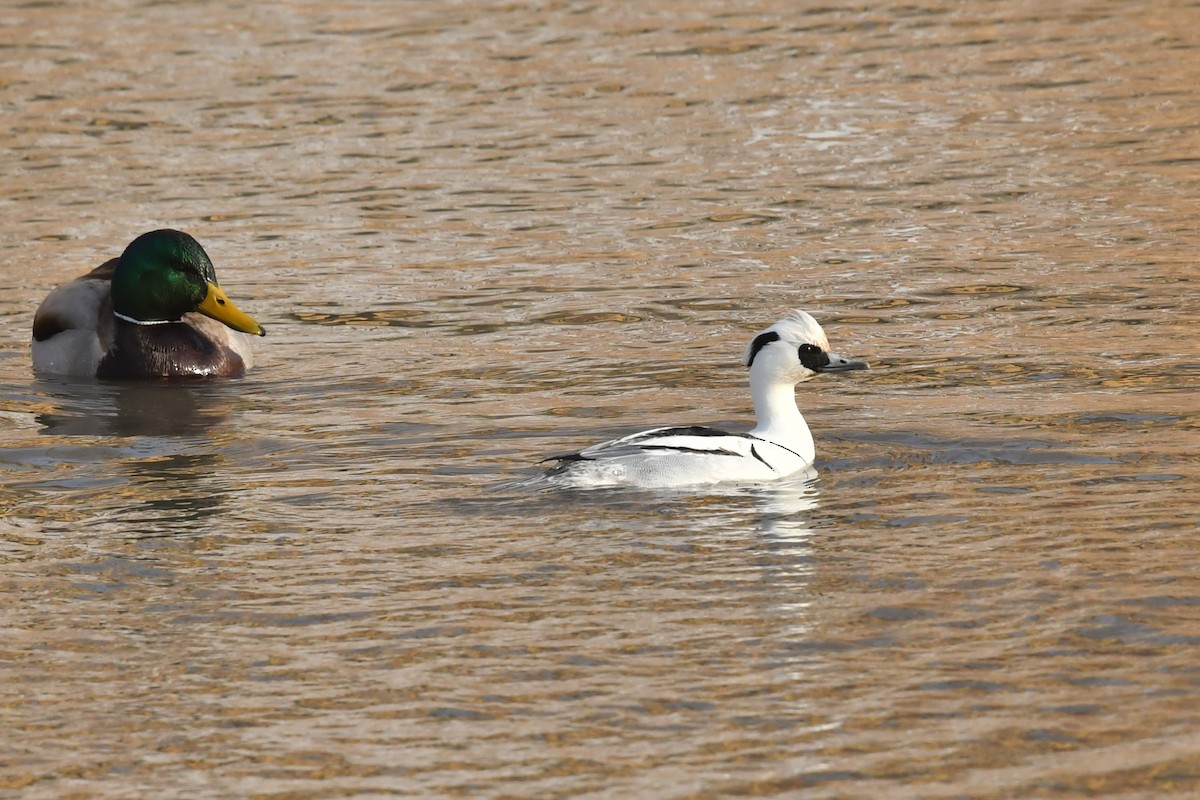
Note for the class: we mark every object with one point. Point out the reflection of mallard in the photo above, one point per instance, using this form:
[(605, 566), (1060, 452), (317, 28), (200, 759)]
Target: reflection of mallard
[(154, 312)]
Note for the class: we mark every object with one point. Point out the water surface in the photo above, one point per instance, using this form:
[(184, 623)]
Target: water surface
[(483, 233)]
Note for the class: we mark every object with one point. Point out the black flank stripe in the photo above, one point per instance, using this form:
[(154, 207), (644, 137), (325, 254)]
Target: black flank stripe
[(777, 444), (754, 452)]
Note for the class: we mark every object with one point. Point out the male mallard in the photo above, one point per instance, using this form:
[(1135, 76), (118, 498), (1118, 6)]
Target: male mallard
[(135, 317)]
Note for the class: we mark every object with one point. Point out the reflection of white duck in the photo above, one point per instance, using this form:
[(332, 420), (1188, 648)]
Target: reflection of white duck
[(790, 351)]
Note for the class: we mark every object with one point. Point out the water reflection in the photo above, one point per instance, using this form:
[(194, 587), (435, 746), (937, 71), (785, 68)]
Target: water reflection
[(784, 507), (130, 409), (784, 516), (497, 227), (174, 493), (150, 456), (766, 528)]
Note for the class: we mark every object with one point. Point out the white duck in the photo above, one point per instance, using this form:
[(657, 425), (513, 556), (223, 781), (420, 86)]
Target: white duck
[(790, 351)]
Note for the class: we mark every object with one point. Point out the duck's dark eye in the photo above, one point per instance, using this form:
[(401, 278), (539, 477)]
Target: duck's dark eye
[(813, 357)]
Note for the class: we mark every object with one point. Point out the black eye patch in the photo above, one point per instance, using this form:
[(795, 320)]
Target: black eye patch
[(760, 341), (813, 357)]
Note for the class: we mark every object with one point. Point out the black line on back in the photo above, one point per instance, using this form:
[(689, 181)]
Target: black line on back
[(684, 430), (717, 452), (563, 462)]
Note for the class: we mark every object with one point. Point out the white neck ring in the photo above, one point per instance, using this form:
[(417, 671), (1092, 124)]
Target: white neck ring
[(119, 315)]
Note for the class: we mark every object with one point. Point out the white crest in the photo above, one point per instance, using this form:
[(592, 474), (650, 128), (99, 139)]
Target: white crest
[(797, 328)]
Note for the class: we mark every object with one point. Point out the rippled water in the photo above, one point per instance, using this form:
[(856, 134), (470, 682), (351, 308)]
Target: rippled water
[(481, 233)]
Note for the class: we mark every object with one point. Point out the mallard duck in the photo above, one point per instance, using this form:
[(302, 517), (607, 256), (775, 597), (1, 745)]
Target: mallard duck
[(156, 311), (792, 350)]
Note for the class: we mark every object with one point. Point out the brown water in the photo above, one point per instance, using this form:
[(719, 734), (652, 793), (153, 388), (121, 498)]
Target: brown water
[(481, 233)]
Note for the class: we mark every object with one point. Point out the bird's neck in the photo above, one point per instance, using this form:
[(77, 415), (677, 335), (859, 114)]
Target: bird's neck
[(779, 420)]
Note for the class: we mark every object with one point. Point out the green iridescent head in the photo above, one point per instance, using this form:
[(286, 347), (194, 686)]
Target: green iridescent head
[(164, 274)]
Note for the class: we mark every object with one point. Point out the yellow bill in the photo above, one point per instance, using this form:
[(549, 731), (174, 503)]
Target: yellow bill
[(217, 305)]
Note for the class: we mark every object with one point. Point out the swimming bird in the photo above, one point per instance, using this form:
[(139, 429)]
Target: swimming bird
[(792, 350), (156, 311)]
